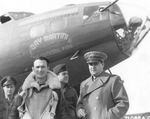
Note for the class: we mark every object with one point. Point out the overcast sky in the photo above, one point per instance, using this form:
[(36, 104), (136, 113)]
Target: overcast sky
[(39, 6), (135, 71)]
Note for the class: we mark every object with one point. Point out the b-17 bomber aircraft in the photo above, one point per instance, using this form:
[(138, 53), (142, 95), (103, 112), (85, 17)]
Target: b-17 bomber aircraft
[(65, 34)]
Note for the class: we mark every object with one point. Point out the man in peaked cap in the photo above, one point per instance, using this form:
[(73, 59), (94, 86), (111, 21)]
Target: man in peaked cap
[(69, 92), (95, 56), (8, 80), (102, 95), (59, 68), (8, 84)]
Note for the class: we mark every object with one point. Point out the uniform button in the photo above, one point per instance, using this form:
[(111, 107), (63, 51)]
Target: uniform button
[(95, 108), (97, 98), (84, 99)]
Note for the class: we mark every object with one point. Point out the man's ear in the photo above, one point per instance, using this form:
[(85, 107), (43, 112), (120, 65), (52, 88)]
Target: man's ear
[(103, 63)]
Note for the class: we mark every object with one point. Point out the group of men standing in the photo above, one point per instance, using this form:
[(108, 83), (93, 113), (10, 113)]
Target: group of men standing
[(47, 94)]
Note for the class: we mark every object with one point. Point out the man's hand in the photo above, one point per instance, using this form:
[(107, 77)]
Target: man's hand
[(81, 113)]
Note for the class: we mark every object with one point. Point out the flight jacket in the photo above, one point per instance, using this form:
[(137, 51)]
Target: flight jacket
[(34, 99)]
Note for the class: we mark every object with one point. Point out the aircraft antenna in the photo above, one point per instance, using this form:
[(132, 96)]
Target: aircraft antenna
[(109, 71), (102, 10)]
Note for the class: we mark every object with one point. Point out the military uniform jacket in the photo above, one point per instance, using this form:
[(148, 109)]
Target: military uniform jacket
[(71, 97), (104, 98)]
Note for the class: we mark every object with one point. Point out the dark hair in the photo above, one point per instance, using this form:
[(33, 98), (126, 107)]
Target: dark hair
[(42, 58)]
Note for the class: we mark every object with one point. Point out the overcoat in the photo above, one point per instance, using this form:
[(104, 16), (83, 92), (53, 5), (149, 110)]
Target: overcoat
[(104, 98)]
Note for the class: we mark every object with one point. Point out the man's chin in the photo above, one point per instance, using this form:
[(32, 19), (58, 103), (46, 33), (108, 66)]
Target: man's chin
[(40, 76), (65, 82), (93, 73), (9, 94)]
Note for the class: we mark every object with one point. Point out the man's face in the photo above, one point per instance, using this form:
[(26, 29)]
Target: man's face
[(96, 68), (40, 68), (63, 77), (9, 89)]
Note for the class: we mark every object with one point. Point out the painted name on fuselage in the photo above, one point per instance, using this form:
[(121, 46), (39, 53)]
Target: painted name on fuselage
[(52, 51), (49, 38), (50, 44), (57, 50)]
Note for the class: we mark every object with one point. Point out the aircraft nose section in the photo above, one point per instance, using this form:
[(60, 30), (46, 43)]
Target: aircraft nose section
[(130, 25)]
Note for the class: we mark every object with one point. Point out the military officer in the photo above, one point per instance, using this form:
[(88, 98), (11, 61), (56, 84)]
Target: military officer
[(8, 84), (3, 112), (69, 92), (102, 95)]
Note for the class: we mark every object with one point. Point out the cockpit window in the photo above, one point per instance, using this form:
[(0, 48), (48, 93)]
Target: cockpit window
[(5, 18), (12, 16)]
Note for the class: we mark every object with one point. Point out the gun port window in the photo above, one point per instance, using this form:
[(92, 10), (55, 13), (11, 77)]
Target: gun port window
[(92, 14), (37, 31), (58, 24)]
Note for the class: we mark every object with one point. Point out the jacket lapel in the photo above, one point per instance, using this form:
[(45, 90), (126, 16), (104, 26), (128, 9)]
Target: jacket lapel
[(91, 86)]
